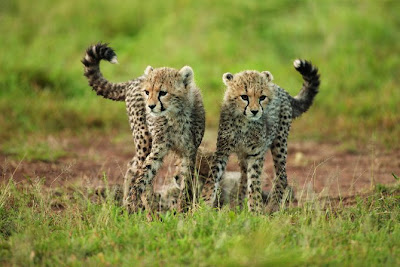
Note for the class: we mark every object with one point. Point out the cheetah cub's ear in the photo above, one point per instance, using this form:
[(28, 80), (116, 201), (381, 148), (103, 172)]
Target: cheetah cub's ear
[(268, 75), (148, 70), (187, 75), (227, 77)]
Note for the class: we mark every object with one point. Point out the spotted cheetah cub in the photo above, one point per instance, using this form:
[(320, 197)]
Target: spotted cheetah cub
[(256, 115), (166, 113)]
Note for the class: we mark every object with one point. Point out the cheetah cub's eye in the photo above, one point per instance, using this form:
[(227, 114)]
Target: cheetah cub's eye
[(146, 92), (263, 97), (163, 93), (245, 97)]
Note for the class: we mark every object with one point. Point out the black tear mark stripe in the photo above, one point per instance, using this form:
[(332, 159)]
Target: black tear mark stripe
[(159, 99), (262, 109), (248, 103)]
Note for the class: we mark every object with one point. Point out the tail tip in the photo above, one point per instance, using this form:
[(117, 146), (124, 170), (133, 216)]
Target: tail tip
[(297, 63), (114, 60)]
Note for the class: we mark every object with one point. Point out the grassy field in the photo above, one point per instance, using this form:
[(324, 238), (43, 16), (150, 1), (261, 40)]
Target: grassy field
[(40, 227), (354, 43), (45, 97)]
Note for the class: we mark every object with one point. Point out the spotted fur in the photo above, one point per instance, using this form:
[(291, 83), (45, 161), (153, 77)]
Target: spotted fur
[(166, 113), (256, 116)]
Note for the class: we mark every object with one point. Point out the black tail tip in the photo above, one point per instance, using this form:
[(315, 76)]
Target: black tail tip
[(301, 64), (305, 67), (98, 52)]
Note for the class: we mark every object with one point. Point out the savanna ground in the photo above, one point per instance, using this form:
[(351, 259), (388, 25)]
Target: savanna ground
[(58, 140)]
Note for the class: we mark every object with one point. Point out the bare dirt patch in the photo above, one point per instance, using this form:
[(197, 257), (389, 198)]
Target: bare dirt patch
[(313, 168)]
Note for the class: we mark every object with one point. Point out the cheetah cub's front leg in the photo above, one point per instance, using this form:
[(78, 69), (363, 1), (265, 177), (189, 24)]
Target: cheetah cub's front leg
[(211, 190), (254, 189), (188, 182), (143, 186)]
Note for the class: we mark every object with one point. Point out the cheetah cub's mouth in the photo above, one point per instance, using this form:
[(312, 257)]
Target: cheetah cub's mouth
[(249, 92), (254, 117), (156, 111)]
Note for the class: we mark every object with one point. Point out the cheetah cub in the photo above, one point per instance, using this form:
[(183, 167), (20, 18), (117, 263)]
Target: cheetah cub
[(256, 115), (166, 113)]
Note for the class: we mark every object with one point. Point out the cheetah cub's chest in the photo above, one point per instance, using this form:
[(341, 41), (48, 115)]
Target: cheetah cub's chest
[(177, 131), (251, 138)]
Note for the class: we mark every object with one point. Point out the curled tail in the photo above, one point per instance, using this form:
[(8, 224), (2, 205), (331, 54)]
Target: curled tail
[(91, 61), (302, 102)]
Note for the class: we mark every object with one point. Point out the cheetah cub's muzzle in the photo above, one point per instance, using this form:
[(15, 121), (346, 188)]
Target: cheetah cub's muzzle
[(249, 92)]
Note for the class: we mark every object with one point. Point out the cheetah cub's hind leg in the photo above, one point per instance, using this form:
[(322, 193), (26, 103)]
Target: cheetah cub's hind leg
[(279, 155), (292, 108), (242, 190)]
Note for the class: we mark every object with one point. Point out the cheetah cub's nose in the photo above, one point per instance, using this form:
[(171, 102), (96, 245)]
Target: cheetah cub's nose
[(152, 106), (254, 112)]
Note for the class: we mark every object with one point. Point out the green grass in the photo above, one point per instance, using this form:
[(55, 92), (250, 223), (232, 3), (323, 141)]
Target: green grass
[(354, 43), (43, 93), (42, 227)]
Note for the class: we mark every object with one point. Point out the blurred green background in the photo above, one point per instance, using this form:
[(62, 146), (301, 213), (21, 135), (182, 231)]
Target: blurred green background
[(355, 44)]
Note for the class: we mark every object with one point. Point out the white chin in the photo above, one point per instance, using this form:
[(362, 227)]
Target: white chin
[(157, 113), (253, 118), (154, 113)]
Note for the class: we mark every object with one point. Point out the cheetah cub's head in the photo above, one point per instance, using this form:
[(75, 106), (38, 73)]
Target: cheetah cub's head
[(166, 88), (249, 92)]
